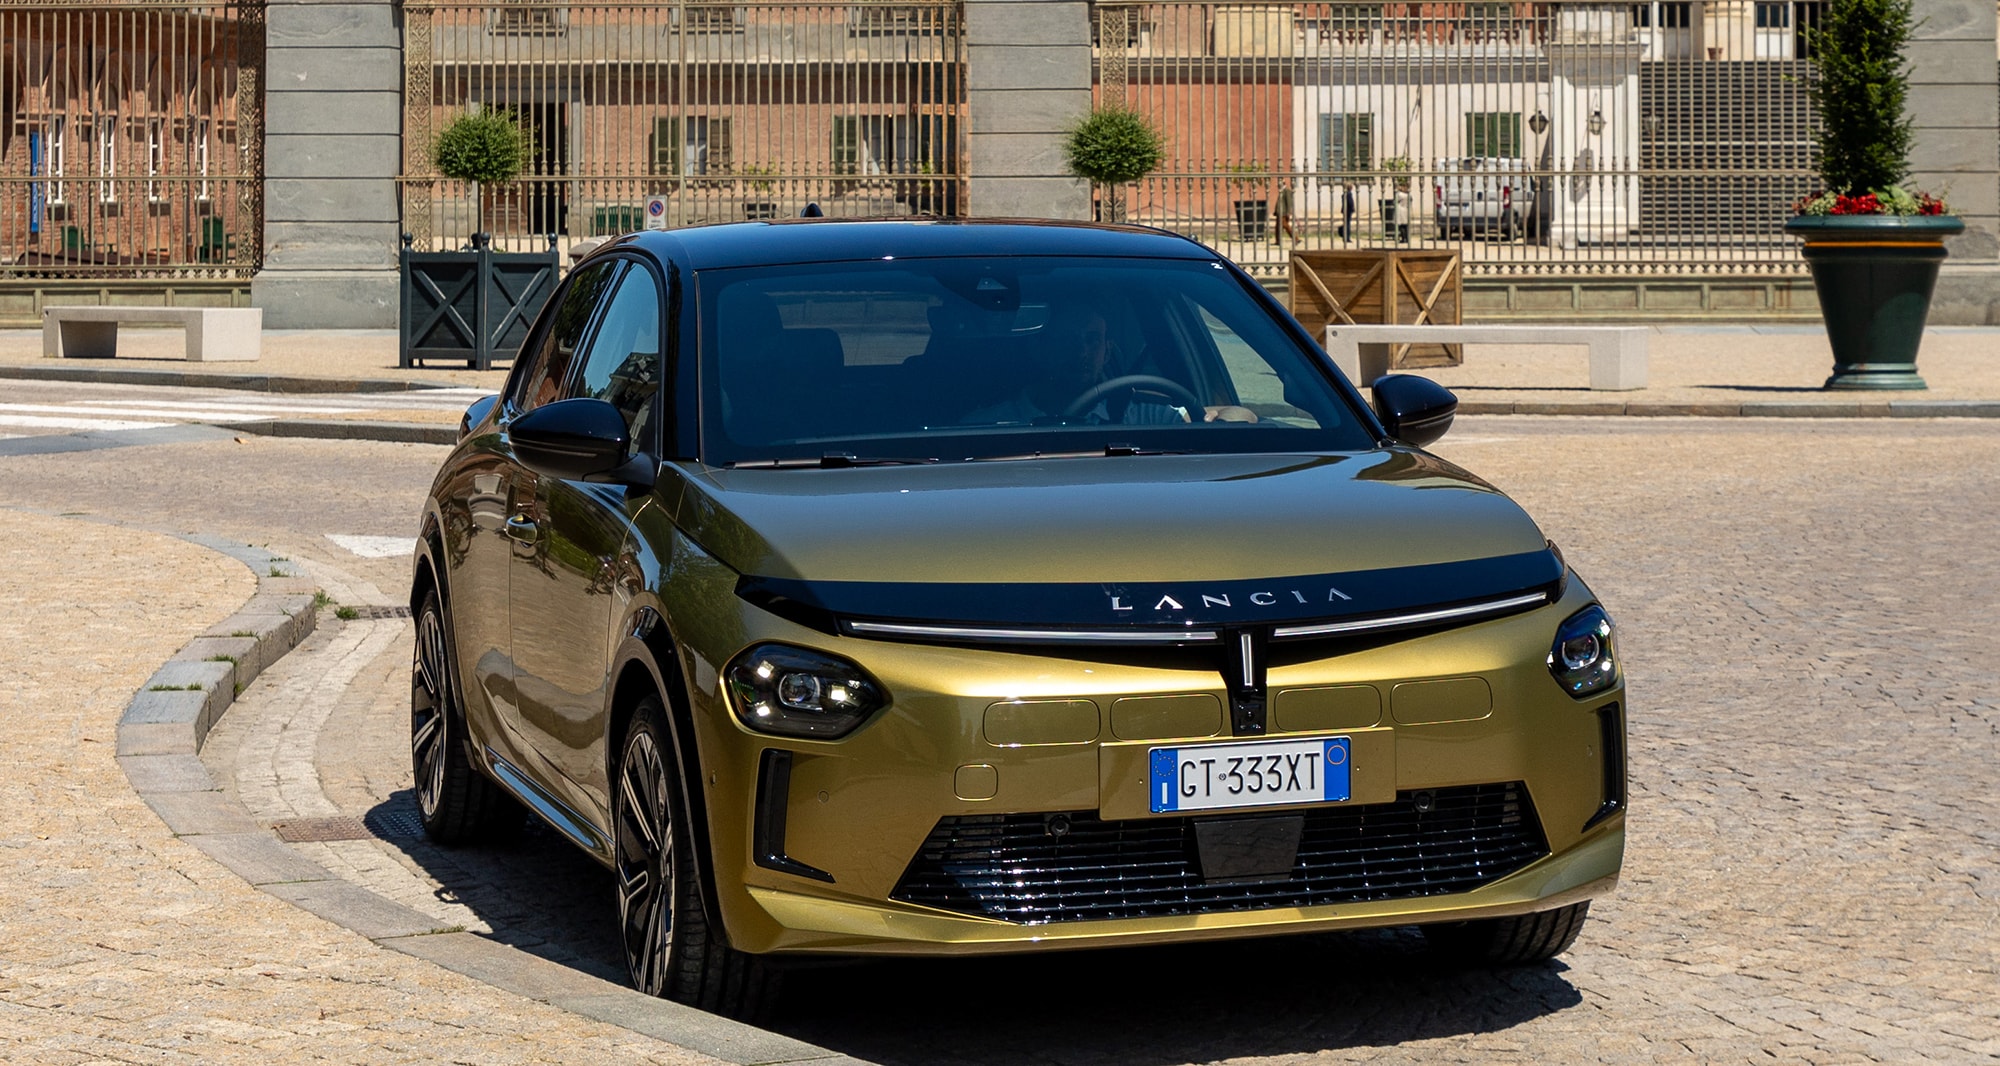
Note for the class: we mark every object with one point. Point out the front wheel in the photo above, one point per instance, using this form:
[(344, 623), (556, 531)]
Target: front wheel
[(671, 950), (454, 801), (1517, 940)]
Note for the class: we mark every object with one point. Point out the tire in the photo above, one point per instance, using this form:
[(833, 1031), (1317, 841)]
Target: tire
[(456, 803), (1519, 940), (671, 950)]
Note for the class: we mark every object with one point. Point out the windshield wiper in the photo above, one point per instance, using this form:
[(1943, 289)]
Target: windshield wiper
[(1109, 451), (829, 461)]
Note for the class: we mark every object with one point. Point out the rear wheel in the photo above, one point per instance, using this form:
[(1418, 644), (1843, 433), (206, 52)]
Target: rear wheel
[(455, 802), (671, 950), (1513, 941)]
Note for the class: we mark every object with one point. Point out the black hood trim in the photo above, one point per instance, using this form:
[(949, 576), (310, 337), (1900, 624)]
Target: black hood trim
[(1168, 612)]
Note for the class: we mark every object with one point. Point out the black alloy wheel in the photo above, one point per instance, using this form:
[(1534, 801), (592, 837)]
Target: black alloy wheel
[(455, 802), (670, 949)]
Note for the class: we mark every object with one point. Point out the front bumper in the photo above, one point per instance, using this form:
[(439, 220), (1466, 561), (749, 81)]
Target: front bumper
[(975, 733)]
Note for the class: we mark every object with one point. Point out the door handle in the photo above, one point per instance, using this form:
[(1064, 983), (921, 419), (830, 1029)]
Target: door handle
[(523, 529)]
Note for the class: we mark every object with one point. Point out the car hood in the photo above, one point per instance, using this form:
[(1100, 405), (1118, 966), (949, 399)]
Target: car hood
[(1099, 521)]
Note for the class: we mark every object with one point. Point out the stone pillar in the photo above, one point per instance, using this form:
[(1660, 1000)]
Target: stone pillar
[(1955, 102), (1593, 80), (332, 148), (1027, 80)]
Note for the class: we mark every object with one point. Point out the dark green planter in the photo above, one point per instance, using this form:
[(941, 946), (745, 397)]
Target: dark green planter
[(1874, 275)]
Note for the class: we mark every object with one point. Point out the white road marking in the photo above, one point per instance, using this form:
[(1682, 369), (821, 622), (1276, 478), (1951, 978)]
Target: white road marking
[(39, 422), (205, 415), (374, 547)]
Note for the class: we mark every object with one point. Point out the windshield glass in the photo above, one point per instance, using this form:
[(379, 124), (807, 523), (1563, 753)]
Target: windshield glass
[(949, 359)]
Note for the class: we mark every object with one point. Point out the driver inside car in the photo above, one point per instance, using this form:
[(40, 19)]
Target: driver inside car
[(1083, 358)]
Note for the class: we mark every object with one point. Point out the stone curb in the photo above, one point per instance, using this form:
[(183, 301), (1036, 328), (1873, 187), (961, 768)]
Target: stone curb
[(159, 743), (1753, 409), (286, 383), (333, 429)]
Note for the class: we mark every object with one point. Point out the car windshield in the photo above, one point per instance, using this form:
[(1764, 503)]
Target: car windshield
[(956, 359)]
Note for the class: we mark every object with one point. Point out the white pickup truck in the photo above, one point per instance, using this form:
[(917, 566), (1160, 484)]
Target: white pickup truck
[(1486, 193)]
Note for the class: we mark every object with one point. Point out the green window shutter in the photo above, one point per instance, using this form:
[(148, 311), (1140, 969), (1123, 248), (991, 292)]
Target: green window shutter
[(1360, 142), (667, 145), (846, 144), (1510, 136), (1326, 135), (718, 146)]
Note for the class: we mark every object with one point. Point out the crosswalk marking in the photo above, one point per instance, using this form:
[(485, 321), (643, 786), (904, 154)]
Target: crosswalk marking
[(42, 422), (67, 407)]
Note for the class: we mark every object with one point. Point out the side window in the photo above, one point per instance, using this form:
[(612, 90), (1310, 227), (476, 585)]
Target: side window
[(550, 363), (623, 365)]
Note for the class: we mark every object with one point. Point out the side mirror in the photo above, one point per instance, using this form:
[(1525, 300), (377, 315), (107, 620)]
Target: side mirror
[(476, 415), (571, 439), (1415, 410)]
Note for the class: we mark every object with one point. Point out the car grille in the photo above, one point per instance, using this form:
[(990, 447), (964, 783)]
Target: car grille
[(1016, 867)]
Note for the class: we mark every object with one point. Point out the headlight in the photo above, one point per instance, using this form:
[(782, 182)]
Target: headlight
[(1584, 658), (795, 692)]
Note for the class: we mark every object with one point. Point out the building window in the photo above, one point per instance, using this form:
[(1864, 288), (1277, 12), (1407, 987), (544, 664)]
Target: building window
[(107, 158), (156, 157), (201, 131), (521, 19), (697, 146), (1493, 135), (1346, 142), (57, 126), (1776, 16)]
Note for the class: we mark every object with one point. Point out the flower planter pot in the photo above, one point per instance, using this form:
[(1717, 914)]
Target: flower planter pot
[(472, 306), (1874, 275)]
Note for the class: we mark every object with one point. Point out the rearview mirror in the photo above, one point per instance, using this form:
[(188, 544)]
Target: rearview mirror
[(1415, 410)]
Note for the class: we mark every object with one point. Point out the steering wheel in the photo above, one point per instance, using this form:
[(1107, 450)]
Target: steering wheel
[(1154, 382)]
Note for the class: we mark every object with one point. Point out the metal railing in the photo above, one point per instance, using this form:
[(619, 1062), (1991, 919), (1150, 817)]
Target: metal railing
[(668, 113), (1533, 138), (134, 146)]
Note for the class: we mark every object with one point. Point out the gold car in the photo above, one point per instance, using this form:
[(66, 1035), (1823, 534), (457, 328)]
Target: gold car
[(952, 588)]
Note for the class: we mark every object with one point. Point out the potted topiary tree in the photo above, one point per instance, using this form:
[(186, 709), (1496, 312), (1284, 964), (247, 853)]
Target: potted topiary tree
[(474, 304), (1113, 147), (481, 148), (1873, 246)]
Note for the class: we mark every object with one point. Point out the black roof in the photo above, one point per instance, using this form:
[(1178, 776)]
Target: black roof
[(822, 240)]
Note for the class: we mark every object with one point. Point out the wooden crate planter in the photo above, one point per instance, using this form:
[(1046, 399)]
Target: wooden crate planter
[(1382, 288)]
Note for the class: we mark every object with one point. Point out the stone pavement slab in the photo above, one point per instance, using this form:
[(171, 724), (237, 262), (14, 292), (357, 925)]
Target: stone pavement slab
[(121, 942)]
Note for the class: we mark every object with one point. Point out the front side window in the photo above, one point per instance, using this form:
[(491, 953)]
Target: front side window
[(623, 364), (955, 359), (540, 378)]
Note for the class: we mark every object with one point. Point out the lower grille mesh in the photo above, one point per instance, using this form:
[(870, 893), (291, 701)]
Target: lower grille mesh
[(1014, 867)]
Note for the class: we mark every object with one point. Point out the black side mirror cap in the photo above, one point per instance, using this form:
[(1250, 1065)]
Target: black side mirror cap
[(571, 439), (1415, 410)]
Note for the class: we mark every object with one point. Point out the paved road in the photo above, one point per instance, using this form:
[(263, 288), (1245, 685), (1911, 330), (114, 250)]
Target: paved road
[(1809, 614), (30, 408)]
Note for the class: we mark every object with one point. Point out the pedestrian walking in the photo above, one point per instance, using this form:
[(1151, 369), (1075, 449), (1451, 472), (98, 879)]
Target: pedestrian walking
[(1284, 216), (1347, 211)]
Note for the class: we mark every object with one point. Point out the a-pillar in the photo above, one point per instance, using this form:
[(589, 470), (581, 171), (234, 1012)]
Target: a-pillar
[(332, 147), (1593, 133), (1027, 81)]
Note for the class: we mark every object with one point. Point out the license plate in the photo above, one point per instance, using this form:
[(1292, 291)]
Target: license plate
[(1260, 773)]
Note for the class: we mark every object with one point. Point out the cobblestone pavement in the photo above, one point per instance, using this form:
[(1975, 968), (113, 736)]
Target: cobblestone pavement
[(121, 944), (1808, 612)]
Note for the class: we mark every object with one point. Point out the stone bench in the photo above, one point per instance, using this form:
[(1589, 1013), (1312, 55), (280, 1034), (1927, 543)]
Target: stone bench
[(1617, 353), (214, 334)]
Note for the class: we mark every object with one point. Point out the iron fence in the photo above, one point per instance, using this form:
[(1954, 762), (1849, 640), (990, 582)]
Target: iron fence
[(672, 112), (1534, 138), (134, 140)]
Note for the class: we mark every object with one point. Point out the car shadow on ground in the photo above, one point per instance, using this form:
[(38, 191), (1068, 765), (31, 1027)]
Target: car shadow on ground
[(1135, 1006)]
